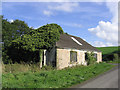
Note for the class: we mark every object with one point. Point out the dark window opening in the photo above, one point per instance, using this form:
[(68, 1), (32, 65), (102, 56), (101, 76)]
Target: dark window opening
[(73, 56), (86, 56), (43, 58)]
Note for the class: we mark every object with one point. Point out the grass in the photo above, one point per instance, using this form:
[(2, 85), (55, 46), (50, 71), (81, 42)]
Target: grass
[(16, 68), (24, 67), (31, 76), (107, 50), (110, 54), (54, 78)]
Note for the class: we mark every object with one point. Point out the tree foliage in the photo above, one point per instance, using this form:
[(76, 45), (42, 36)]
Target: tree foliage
[(10, 32), (21, 41), (41, 38)]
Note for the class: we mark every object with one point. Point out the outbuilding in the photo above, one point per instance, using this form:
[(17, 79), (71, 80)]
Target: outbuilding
[(69, 51)]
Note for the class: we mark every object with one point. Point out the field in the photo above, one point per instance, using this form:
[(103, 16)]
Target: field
[(110, 54), (107, 50), (53, 78)]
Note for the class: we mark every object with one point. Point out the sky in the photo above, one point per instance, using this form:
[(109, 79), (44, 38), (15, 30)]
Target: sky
[(94, 22)]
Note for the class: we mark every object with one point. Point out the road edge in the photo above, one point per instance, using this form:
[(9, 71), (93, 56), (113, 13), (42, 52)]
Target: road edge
[(95, 77)]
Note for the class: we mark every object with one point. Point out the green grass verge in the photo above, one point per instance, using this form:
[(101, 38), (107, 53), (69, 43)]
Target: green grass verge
[(54, 78)]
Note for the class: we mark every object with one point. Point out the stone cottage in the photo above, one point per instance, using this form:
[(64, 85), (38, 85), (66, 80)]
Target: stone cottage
[(69, 51)]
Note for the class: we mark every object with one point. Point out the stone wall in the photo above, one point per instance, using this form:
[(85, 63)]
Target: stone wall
[(99, 57), (63, 58)]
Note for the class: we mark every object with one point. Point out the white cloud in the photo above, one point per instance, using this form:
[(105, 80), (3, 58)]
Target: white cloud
[(48, 13), (67, 7), (72, 24), (108, 31), (37, 27), (101, 44), (76, 25), (11, 20)]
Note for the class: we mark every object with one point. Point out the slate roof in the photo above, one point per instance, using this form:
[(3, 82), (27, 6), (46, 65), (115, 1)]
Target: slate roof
[(66, 41)]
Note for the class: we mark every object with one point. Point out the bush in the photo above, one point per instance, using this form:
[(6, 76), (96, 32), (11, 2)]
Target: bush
[(90, 58), (110, 54), (112, 58), (116, 57)]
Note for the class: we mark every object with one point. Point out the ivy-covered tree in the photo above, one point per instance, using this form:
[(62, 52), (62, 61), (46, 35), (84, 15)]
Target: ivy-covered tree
[(41, 38)]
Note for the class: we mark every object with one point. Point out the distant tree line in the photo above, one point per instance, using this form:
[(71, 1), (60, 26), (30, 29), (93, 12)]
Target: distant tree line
[(22, 43)]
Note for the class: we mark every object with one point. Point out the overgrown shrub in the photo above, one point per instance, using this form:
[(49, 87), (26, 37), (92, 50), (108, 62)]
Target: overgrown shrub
[(90, 58), (116, 57), (21, 55), (112, 57)]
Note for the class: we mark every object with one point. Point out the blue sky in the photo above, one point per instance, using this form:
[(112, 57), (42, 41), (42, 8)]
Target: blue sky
[(75, 18)]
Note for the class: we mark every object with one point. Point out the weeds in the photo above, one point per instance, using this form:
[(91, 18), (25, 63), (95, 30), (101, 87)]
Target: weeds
[(53, 78)]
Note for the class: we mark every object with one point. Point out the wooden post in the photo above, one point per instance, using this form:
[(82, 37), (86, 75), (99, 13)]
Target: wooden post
[(44, 57), (41, 57)]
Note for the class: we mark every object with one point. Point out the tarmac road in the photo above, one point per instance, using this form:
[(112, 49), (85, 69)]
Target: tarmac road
[(107, 80)]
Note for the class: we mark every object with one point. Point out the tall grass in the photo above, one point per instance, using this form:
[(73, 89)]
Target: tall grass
[(54, 78), (16, 68), (23, 67)]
